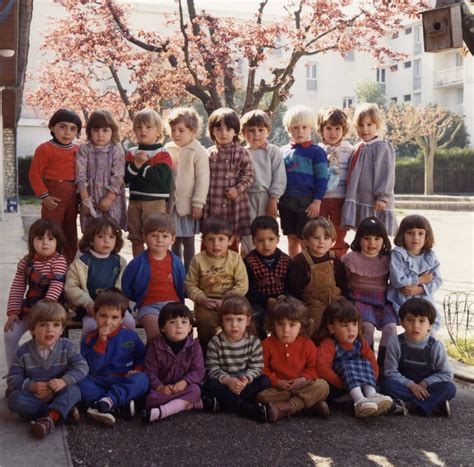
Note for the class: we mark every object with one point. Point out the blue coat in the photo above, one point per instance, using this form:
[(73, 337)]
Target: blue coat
[(136, 277)]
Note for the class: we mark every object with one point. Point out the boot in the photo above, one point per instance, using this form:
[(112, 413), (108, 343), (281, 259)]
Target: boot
[(278, 410)]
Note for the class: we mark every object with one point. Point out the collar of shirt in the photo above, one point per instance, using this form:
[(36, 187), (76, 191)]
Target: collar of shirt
[(304, 145), (372, 141), (44, 352)]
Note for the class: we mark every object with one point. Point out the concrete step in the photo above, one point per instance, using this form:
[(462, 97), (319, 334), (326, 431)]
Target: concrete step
[(444, 198), (435, 202)]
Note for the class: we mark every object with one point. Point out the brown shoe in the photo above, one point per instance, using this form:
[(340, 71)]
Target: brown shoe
[(320, 409), (278, 410), (41, 427), (73, 416)]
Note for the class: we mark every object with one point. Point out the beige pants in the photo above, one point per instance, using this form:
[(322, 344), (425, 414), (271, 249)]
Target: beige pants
[(207, 323), (304, 398), (138, 212)]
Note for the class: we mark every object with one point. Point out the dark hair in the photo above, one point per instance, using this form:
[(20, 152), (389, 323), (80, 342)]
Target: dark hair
[(159, 223), (291, 309), (46, 310), (103, 119), (216, 225), (372, 226), (257, 118), (310, 227), (418, 307), (334, 117), (97, 226), (263, 223), (230, 119), (38, 229), (113, 298), (415, 221), (174, 310), (341, 310), (65, 115)]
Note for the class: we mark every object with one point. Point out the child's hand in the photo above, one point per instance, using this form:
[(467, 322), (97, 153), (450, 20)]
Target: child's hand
[(179, 386), (425, 278), (166, 389), (210, 303), (11, 320), (57, 384), (51, 202), (271, 302), (313, 209), (234, 384), (106, 202), (297, 383), (283, 385), (410, 290), (272, 208), (196, 213), (245, 381), (231, 193), (104, 332), (419, 390), (380, 205), (41, 390), (140, 158)]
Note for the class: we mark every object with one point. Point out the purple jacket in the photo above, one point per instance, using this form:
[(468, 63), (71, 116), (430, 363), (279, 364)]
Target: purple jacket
[(164, 367)]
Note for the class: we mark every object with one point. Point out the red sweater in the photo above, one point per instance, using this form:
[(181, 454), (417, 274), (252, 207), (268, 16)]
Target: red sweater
[(326, 352), (51, 162), (289, 361)]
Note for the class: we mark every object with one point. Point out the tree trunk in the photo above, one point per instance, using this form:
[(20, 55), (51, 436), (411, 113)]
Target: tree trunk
[(429, 153)]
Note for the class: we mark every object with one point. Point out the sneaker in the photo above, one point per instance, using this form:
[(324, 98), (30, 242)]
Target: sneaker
[(73, 416), (383, 403), (278, 410), (444, 409), (209, 403), (257, 412), (102, 406), (365, 408), (105, 418), (41, 427), (398, 408), (320, 409), (145, 416), (127, 410)]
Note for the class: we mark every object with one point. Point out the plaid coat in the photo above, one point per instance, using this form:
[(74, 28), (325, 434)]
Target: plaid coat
[(230, 166)]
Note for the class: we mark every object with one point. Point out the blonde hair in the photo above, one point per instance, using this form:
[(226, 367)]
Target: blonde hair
[(187, 116), (298, 115), (371, 111), (46, 310), (150, 117), (334, 117)]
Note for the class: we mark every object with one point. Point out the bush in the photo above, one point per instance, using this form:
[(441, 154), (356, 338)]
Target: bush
[(24, 187)]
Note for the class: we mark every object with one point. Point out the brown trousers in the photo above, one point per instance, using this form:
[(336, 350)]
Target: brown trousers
[(207, 323)]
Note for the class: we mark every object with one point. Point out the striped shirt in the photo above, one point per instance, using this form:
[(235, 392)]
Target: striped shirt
[(243, 358), (52, 269)]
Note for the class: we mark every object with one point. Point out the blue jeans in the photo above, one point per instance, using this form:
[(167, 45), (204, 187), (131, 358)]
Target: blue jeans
[(439, 392), (120, 389), (28, 406)]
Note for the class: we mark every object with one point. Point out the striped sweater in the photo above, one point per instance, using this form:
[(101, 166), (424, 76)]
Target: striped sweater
[(28, 366), (50, 272), (243, 358)]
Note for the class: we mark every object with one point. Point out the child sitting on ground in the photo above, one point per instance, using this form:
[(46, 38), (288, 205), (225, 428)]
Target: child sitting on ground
[(212, 274), (290, 364), (346, 361), (317, 275), (148, 171), (174, 364), (267, 269), (234, 363), (156, 276), (99, 267), (417, 368), (115, 356), (270, 175), (42, 380)]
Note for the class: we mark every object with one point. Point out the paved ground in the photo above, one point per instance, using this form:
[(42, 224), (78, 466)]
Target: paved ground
[(197, 439)]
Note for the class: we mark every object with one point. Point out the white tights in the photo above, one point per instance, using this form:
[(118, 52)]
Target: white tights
[(360, 392), (12, 337), (387, 331)]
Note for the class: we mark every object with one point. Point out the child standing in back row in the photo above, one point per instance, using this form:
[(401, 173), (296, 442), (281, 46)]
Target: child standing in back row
[(100, 171), (371, 175), (52, 174), (332, 125), (191, 179), (270, 175), (307, 176), (148, 171), (232, 174)]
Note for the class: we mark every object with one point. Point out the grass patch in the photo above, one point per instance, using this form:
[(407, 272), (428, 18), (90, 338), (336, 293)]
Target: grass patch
[(462, 350), (30, 200)]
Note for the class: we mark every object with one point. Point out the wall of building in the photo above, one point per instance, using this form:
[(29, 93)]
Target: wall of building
[(9, 164)]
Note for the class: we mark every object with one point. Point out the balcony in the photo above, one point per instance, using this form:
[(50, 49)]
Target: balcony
[(449, 77)]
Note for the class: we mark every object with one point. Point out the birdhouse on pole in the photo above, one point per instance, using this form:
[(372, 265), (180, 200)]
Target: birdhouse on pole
[(447, 25)]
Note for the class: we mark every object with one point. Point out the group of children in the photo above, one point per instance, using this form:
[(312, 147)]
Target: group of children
[(320, 304)]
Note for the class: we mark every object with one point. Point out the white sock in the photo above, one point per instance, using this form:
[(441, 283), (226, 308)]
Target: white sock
[(155, 414), (357, 394), (368, 390)]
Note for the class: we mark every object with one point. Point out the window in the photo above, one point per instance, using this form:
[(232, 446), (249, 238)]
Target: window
[(347, 102), (394, 100), (417, 74), (349, 57), (311, 81), (407, 98), (380, 75), (408, 31), (418, 38), (407, 64)]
